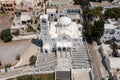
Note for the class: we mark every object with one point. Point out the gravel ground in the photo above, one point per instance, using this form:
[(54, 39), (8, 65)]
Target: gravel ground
[(32, 50), (8, 51)]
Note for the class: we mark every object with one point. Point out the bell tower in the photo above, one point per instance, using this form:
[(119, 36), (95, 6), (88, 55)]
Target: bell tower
[(44, 26)]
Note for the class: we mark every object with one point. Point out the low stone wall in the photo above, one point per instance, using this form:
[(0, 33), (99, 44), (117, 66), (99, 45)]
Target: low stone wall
[(24, 37)]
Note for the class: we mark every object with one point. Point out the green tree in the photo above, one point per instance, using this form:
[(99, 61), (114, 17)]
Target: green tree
[(94, 13), (97, 30), (112, 13), (26, 77), (90, 13), (83, 3), (87, 29), (99, 8), (6, 35), (32, 60)]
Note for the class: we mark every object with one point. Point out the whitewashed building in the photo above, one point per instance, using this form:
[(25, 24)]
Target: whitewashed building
[(20, 21), (111, 31)]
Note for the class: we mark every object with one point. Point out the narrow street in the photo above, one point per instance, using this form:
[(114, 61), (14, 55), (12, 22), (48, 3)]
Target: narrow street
[(95, 63), (103, 70)]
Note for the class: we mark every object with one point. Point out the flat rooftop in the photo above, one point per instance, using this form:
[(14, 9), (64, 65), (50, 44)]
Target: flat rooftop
[(103, 4), (63, 75), (109, 26), (81, 74), (69, 7), (51, 10)]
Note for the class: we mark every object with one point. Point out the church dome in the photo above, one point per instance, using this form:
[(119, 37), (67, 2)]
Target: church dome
[(64, 20)]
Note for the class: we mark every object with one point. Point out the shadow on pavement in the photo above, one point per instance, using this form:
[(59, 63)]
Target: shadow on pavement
[(37, 42)]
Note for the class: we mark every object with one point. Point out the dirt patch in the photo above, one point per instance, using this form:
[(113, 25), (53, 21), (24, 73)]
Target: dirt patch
[(5, 21), (8, 51)]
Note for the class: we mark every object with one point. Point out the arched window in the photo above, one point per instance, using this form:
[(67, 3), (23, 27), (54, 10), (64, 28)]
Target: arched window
[(46, 51), (64, 49), (44, 21), (64, 38)]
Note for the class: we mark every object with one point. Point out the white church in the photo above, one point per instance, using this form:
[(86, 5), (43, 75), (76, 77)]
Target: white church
[(62, 35)]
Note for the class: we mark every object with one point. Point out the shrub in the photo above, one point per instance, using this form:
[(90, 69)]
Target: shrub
[(32, 60), (16, 33), (18, 57), (6, 35)]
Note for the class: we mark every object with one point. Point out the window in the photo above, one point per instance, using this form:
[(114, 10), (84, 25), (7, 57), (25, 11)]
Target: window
[(11, 9), (64, 38), (53, 39), (60, 15), (51, 14), (46, 51), (68, 11), (8, 9), (53, 44), (7, 5), (79, 29), (105, 37), (112, 31), (75, 39), (45, 39), (44, 28), (5, 9), (4, 5), (45, 34), (44, 21), (10, 5), (60, 11), (52, 5), (64, 49)]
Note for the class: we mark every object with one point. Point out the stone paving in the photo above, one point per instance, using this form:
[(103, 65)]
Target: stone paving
[(46, 62), (79, 60)]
